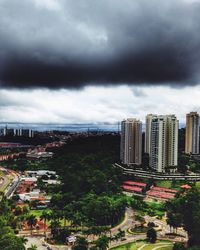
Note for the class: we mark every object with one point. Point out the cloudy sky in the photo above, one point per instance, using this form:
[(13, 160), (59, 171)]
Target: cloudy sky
[(66, 61)]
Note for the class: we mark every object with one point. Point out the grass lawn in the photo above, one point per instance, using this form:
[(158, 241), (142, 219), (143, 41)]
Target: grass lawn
[(166, 245), (175, 184), (198, 184), (38, 213)]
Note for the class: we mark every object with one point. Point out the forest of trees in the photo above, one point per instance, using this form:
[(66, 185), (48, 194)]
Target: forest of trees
[(8, 239), (91, 185), (184, 211)]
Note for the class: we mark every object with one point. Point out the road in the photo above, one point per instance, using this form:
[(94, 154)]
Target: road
[(164, 227), (39, 242), (126, 224), (129, 222)]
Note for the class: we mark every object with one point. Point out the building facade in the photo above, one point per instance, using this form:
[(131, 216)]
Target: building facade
[(131, 142), (162, 138), (192, 133), (147, 147)]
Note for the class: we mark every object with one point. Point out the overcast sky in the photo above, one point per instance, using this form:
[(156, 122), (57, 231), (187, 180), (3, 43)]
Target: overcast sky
[(66, 61)]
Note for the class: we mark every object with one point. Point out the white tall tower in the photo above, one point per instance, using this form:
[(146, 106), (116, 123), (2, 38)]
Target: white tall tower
[(163, 142)]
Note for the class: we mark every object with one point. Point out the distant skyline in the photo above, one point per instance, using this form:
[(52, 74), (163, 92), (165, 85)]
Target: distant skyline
[(66, 61)]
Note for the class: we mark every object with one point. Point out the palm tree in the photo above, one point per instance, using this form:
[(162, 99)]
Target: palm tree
[(77, 220), (32, 247), (45, 216), (31, 221), (24, 240), (55, 224)]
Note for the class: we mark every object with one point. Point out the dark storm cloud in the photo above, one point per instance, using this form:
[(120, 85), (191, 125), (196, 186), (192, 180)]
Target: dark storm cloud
[(57, 43)]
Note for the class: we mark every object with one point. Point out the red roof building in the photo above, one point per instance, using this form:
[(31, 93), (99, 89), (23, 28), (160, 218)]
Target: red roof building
[(186, 186), (131, 188), (135, 183), (161, 189)]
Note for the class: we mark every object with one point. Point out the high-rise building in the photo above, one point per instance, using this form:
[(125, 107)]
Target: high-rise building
[(147, 148), (192, 133), (162, 138), (131, 142)]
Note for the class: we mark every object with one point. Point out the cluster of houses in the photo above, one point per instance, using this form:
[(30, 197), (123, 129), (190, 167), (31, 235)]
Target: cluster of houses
[(153, 192), (41, 152), (28, 190)]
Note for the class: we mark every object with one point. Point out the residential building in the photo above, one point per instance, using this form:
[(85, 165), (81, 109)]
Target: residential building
[(192, 133), (131, 142), (163, 143), (147, 148)]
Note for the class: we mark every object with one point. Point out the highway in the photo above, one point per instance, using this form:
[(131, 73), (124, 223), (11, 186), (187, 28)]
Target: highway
[(10, 185)]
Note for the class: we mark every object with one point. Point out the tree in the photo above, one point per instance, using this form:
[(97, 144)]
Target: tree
[(140, 219), (32, 247), (151, 224), (137, 202), (11, 242), (25, 210), (185, 210), (102, 243), (81, 244), (31, 221), (179, 246), (183, 161), (45, 216), (120, 234), (18, 210), (145, 161), (55, 224), (151, 235)]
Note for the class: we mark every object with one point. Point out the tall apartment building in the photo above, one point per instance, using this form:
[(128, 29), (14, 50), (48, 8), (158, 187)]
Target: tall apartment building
[(131, 142), (192, 133), (162, 141), (147, 148)]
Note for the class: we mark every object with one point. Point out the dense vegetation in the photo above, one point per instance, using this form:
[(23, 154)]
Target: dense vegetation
[(8, 240), (89, 197), (185, 210), (91, 185)]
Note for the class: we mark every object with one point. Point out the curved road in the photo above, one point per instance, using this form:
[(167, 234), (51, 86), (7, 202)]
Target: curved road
[(129, 222)]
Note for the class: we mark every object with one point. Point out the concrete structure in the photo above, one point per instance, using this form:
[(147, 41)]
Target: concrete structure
[(162, 141), (40, 173), (131, 142), (147, 148), (192, 133), (39, 155)]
